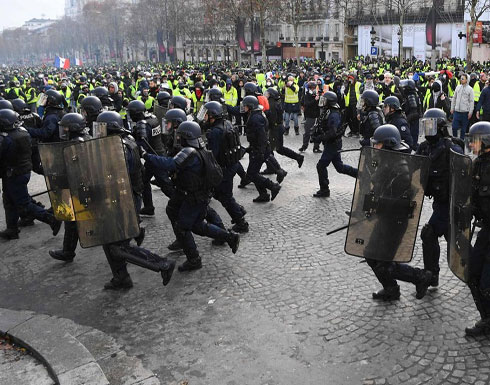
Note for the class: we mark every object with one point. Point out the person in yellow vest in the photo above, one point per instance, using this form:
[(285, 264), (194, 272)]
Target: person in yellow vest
[(14, 91), (352, 95), (65, 91), (291, 105), (32, 96), (197, 97), (230, 96), (146, 99), (388, 87)]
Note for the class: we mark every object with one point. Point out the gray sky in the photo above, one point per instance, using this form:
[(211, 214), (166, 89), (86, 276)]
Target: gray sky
[(15, 13)]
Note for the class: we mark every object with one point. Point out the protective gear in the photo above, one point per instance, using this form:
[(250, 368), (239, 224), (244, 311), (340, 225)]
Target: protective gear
[(178, 102), (329, 99), (100, 92), (136, 110), (7, 119), (176, 116), (54, 99), (19, 105), (478, 139), (189, 134), (369, 98), (433, 122), (250, 89), (407, 84), (214, 110), (114, 122), (6, 105), (251, 102), (272, 93), (393, 102), (214, 95), (71, 123), (389, 135), (387, 203), (163, 98), (106, 210), (91, 105)]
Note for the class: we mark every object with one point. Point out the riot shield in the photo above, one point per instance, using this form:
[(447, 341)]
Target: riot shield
[(56, 179), (101, 191), (459, 215), (386, 206), (160, 112)]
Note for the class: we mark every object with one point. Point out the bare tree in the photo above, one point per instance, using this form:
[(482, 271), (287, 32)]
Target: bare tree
[(292, 12), (476, 9)]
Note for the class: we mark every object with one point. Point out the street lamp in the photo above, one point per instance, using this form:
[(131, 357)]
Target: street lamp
[(323, 52), (281, 39), (184, 45), (399, 33), (225, 56)]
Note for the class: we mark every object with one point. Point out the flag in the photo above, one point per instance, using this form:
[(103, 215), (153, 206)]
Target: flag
[(61, 62), (76, 61)]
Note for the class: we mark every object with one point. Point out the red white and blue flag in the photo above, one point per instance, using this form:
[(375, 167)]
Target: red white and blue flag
[(76, 61), (61, 62)]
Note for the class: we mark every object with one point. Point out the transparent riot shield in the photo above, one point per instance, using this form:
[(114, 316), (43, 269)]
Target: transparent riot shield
[(386, 206), (56, 179), (160, 112), (101, 191), (459, 215), (99, 130)]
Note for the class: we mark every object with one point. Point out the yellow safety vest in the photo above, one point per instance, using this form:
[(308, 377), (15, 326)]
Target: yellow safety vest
[(291, 96), (148, 102), (357, 87), (477, 91), (231, 96)]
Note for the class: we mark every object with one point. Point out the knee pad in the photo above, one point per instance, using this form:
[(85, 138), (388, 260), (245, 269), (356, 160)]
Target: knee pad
[(428, 234)]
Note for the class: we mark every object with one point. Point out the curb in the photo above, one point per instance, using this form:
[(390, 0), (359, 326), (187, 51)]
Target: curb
[(73, 354)]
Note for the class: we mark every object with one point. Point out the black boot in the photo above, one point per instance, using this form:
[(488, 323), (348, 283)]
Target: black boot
[(275, 190), (286, 131), (434, 282), (262, 198), (267, 171), (240, 226), (60, 255), (302, 149), (296, 130), (317, 150), (10, 233), (482, 327), (25, 222), (388, 293), (175, 245), (243, 183), (423, 282), (233, 240), (281, 174), (322, 193), (148, 211), (191, 264), (141, 237), (119, 283), (167, 271)]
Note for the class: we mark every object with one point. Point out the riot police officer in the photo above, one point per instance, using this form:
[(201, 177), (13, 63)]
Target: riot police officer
[(224, 142), (163, 99), (329, 131), (479, 264), (15, 170), (73, 129), (187, 209), (146, 128), (371, 116), (390, 228), (103, 94), (119, 253), (412, 108), (437, 146), (90, 108), (53, 112), (256, 130), (394, 115)]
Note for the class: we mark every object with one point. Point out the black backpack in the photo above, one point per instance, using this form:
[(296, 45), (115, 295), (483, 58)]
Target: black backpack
[(230, 148), (213, 174)]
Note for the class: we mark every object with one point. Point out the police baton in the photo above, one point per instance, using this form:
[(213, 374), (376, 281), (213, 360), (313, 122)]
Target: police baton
[(149, 146), (41, 193), (337, 230), (350, 150)]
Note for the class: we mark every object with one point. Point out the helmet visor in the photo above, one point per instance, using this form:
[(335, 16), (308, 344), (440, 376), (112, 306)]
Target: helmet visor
[(201, 114), (322, 102), (427, 127), (242, 108), (64, 133), (99, 129), (476, 144), (43, 99)]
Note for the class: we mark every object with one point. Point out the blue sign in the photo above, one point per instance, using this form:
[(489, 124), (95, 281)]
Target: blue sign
[(374, 51)]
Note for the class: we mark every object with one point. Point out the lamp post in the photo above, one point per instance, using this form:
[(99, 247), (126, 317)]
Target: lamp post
[(225, 57), (373, 35), (323, 52), (399, 33), (227, 43), (281, 39), (184, 45)]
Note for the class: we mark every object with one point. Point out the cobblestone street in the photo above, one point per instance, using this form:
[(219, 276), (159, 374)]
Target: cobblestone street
[(289, 308)]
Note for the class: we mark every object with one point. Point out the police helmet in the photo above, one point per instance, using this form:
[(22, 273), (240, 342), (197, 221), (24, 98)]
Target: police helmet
[(114, 122), (393, 102), (19, 105), (214, 94), (433, 121), (178, 102), (91, 105), (54, 98), (478, 138), (100, 92), (329, 99), (370, 98), (6, 105), (407, 84), (136, 106), (8, 118), (189, 134), (176, 116), (250, 88), (71, 123), (389, 135), (251, 102), (271, 92), (214, 110), (163, 98)]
